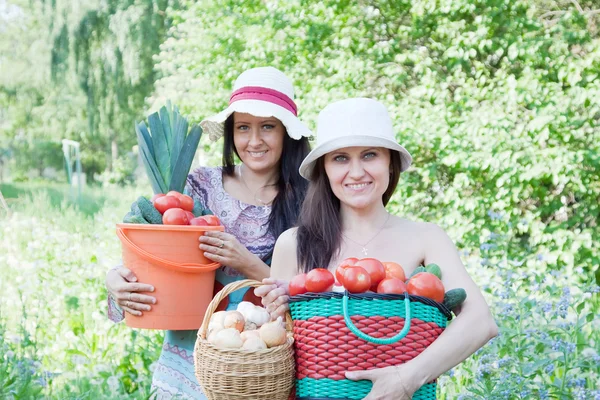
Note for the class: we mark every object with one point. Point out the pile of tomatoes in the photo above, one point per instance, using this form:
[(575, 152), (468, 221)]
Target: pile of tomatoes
[(176, 209), (368, 274)]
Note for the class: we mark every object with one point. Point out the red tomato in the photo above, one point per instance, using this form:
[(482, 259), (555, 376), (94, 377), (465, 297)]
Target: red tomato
[(374, 268), (394, 270), (164, 203), (187, 203), (427, 285), (298, 285), (175, 216), (339, 271), (175, 193), (199, 221), (319, 280), (156, 196), (212, 220), (356, 279), (391, 285), (189, 215)]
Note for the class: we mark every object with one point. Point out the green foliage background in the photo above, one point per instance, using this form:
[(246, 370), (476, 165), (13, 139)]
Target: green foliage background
[(497, 102)]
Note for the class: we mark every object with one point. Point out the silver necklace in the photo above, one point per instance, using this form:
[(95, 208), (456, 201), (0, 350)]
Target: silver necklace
[(364, 249), (264, 203)]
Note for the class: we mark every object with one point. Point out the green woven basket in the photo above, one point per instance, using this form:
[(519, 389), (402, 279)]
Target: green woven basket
[(315, 314)]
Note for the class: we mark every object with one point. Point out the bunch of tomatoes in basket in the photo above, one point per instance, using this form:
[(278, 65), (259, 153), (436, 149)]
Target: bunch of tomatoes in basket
[(176, 209), (369, 274)]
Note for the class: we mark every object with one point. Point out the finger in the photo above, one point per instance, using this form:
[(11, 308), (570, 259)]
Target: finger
[(262, 291), (132, 305), (137, 287), (214, 257), (269, 281), (274, 295), (127, 274), (141, 298), (358, 375), (212, 241), (219, 235), (211, 249), (273, 311), (131, 311), (280, 311)]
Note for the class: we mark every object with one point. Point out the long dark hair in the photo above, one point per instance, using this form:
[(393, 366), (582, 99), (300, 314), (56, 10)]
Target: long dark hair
[(319, 225), (291, 187)]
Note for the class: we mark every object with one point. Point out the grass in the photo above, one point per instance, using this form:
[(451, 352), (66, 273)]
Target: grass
[(60, 195), (56, 342)]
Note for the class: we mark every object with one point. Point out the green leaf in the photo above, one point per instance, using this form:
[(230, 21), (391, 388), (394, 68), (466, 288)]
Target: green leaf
[(184, 161), (590, 317), (179, 134), (145, 136), (166, 124), (161, 148), (156, 180)]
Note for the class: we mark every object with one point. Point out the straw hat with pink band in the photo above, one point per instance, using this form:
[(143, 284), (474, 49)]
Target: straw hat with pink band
[(261, 92)]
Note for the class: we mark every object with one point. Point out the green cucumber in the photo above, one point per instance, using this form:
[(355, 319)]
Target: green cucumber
[(199, 210), (454, 298), (132, 218), (417, 270), (147, 210), (434, 269)]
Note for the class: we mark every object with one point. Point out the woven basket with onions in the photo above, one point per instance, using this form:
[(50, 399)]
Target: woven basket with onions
[(234, 374)]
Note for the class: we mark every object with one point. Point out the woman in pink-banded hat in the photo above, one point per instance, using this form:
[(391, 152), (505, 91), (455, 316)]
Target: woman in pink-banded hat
[(256, 199)]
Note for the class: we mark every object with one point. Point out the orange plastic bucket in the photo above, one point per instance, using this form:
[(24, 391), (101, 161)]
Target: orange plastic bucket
[(168, 257)]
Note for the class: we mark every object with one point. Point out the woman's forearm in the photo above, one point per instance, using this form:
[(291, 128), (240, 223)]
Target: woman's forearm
[(467, 333), (256, 270)]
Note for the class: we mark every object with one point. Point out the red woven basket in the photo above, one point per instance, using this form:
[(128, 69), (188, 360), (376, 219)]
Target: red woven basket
[(335, 333)]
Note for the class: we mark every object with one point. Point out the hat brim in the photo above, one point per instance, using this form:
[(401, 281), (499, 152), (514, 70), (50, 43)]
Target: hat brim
[(308, 164), (215, 125)]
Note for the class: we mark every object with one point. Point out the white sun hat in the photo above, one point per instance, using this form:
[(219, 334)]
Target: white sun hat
[(262, 92), (354, 122)]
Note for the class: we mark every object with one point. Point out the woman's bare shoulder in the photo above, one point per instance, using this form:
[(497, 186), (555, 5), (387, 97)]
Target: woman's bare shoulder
[(288, 237), (284, 265)]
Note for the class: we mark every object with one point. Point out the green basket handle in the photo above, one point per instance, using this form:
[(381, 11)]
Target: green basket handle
[(371, 339)]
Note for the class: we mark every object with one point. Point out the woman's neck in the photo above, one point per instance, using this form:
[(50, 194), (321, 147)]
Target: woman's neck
[(362, 224), (256, 180)]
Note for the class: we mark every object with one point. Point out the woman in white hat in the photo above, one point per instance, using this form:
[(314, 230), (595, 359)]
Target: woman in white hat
[(353, 172), (256, 200)]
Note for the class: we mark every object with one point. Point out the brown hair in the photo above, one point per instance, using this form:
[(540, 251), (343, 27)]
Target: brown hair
[(291, 187), (319, 226)]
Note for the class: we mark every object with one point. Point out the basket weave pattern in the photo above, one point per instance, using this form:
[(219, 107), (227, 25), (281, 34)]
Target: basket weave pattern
[(230, 374), (326, 348)]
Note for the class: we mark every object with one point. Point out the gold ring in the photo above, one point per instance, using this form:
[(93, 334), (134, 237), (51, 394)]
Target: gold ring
[(222, 244)]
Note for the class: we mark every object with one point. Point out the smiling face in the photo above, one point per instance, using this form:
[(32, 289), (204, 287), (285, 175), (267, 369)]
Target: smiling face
[(359, 176), (258, 141)]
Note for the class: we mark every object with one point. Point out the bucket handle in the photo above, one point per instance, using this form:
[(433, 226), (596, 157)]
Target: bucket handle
[(226, 291), (173, 266), (364, 336)]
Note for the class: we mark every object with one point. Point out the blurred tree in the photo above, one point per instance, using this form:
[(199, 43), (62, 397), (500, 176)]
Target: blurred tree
[(108, 47)]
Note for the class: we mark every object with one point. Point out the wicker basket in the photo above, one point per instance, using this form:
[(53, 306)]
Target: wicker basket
[(233, 374), (339, 332)]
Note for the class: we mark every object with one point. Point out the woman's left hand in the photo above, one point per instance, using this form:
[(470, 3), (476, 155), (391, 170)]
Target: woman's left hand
[(225, 249), (390, 383)]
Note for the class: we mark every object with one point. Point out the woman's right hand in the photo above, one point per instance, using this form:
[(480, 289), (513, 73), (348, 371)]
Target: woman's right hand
[(123, 286), (275, 296)]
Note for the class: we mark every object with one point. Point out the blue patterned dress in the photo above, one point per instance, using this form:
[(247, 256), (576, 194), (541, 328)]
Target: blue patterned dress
[(174, 374)]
